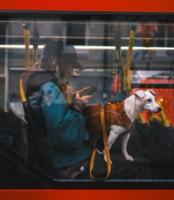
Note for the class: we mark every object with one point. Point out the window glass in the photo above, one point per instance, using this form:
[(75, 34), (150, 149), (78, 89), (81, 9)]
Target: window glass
[(119, 57)]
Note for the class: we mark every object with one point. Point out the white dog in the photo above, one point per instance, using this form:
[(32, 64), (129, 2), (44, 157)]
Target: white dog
[(133, 106)]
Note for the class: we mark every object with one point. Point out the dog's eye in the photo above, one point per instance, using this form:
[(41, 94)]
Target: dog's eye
[(149, 100)]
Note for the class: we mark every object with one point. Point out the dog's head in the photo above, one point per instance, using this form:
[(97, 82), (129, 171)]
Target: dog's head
[(147, 100)]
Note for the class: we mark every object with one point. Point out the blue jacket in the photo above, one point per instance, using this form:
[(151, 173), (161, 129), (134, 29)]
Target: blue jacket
[(65, 126)]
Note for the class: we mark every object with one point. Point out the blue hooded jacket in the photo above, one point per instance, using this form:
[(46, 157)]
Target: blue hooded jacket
[(65, 126)]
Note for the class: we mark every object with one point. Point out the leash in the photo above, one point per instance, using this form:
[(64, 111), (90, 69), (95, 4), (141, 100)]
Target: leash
[(106, 148)]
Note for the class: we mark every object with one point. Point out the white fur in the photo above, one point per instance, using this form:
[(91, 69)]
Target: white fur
[(133, 105)]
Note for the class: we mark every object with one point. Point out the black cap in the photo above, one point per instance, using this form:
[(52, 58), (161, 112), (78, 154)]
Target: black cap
[(58, 50)]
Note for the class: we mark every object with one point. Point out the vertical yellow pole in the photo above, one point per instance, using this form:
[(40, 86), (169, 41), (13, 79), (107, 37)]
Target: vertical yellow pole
[(27, 45), (129, 60)]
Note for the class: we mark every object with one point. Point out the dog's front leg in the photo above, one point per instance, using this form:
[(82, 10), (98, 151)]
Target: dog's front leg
[(115, 131), (124, 147)]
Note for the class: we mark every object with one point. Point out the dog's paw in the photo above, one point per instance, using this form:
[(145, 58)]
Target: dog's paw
[(128, 157)]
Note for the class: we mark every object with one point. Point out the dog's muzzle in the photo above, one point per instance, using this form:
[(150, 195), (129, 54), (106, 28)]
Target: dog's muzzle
[(158, 109)]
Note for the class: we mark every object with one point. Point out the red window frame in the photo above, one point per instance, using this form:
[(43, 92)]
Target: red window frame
[(132, 6)]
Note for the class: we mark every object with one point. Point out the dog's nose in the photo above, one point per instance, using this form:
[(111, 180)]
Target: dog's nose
[(159, 109)]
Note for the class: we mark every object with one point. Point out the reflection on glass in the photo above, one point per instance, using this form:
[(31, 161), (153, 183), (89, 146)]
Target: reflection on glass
[(117, 58)]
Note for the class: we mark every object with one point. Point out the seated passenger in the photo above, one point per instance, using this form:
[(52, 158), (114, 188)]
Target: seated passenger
[(67, 145)]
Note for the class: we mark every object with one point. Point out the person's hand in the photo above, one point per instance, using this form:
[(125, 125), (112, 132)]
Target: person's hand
[(84, 99)]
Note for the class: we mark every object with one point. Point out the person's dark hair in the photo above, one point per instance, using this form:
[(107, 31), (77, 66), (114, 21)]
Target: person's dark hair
[(56, 49), (52, 49)]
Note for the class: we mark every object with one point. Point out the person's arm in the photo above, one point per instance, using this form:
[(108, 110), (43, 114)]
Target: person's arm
[(80, 102), (65, 125)]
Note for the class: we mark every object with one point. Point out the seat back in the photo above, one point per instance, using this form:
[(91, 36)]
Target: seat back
[(37, 134)]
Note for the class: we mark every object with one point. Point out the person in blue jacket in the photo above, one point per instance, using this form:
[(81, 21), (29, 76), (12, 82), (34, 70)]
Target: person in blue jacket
[(62, 111)]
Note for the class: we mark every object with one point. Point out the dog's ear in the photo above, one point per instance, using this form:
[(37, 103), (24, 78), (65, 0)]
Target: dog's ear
[(153, 92), (140, 94)]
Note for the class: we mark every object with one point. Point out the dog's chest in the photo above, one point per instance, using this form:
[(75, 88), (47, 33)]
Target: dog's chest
[(115, 115)]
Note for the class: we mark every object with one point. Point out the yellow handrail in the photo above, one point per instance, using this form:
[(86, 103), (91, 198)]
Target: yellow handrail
[(22, 90)]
